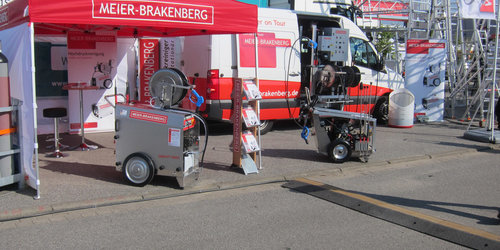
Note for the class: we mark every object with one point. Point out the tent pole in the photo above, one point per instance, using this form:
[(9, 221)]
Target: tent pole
[(35, 123), (256, 45)]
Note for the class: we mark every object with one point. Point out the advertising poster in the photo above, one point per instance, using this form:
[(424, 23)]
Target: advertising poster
[(51, 62), (425, 74), (171, 52), (477, 9), (149, 63), (92, 66)]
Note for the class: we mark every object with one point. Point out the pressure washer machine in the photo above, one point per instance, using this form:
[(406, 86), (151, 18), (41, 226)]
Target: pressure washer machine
[(159, 138)]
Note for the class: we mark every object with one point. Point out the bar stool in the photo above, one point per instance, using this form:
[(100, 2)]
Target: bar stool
[(55, 113)]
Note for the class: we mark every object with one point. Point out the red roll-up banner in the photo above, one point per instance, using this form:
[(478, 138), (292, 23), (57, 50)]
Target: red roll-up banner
[(149, 63)]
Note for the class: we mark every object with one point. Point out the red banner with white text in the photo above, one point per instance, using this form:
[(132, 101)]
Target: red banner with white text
[(149, 63), (165, 17)]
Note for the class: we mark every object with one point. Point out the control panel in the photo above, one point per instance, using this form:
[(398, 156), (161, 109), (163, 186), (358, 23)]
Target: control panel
[(334, 44)]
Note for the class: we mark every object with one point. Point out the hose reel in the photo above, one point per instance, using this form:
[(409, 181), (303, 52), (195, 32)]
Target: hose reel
[(168, 87), (331, 76)]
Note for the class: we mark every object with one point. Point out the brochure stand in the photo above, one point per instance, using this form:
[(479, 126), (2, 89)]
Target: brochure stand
[(244, 155)]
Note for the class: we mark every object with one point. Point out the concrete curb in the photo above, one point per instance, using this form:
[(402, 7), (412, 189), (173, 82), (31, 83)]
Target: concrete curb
[(21, 213)]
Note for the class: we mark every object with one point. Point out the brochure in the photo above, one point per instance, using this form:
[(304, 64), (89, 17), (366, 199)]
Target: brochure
[(249, 142), (250, 117), (251, 91)]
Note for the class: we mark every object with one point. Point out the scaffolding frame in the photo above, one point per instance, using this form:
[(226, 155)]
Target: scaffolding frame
[(472, 54)]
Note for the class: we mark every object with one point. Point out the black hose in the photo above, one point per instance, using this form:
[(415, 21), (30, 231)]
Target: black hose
[(286, 81)]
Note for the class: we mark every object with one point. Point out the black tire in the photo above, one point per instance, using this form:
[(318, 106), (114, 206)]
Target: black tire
[(95, 110), (357, 76), (266, 126), (107, 83), (381, 110), (138, 169), (339, 151), (350, 76), (436, 82)]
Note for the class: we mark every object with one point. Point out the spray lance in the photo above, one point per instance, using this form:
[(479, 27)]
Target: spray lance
[(199, 99)]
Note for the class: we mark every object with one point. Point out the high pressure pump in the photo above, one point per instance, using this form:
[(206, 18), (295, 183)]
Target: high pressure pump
[(159, 138)]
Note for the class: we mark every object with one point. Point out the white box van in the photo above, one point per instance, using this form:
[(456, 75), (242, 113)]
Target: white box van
[(284, 65)]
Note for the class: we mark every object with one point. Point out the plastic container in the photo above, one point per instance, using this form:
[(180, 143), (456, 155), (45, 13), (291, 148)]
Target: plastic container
[(401, 108)]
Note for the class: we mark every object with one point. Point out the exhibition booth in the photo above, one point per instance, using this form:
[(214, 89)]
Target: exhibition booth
[(85, 55)]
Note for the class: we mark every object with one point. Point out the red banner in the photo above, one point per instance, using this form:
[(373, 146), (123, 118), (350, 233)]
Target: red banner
[(387, 10), (12, 14), (150, 117), (422, 46), (149, 64), (237, 126), (79, 40)]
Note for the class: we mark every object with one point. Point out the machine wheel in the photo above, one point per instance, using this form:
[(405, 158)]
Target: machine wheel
[(107, 83), (138, 169), (436, 82), (381, 111), (339, 151), (265, 126)]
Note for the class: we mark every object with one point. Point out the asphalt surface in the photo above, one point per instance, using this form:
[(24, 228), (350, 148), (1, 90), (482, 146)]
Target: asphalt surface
[(258, 217), (85, 179)]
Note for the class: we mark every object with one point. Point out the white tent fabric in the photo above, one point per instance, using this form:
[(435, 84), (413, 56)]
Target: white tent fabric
[(16, 46)]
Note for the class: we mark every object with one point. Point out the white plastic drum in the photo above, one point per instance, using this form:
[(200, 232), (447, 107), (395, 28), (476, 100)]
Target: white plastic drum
[(401, 108)]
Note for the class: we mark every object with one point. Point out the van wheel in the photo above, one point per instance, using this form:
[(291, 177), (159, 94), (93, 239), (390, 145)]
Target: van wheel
[(339, 151), (138, 169), (381, 111), (266, 126)]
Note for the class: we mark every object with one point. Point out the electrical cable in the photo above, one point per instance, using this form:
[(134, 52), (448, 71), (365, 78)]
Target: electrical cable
[(314, 45), (286, 77)]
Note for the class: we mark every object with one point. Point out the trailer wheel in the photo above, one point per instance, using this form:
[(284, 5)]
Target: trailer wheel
[(265, 126), (339, 151), (138, 169), (381, 111)]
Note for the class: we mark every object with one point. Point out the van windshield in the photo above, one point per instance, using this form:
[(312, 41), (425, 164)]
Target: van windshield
[(362, 53)]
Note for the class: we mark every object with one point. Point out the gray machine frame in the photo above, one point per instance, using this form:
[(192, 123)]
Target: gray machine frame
[(361, 133), (162, 137)]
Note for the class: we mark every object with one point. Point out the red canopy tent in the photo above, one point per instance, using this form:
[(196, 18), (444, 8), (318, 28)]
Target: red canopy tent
[(133, 17), (21, 20)]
